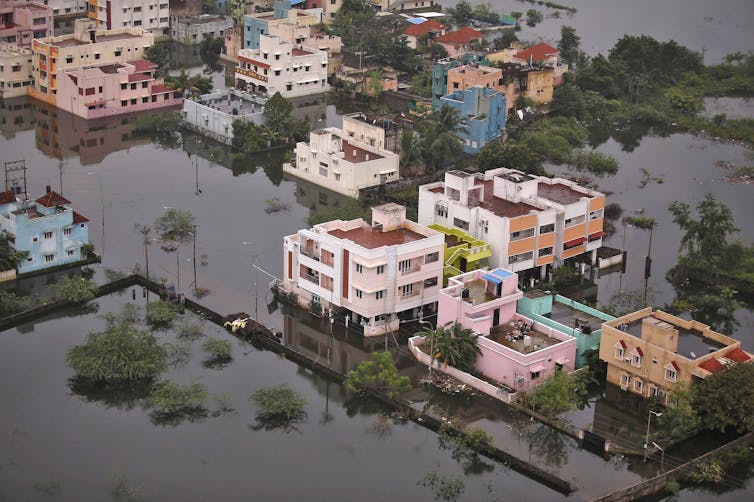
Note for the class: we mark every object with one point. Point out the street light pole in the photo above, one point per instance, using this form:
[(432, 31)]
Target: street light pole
[(649, 420)]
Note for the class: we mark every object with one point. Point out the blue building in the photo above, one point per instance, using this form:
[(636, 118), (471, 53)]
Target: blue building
[(482, 113), (440, 74), (258, 24), (48, 228)]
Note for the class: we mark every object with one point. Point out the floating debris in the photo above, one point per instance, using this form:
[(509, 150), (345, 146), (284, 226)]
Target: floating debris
[(737, 174), (275, 205), (648, 177)]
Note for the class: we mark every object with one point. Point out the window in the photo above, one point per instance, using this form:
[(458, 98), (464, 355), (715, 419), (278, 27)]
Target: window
[(49, 258), (464, 225), (48, 235), (638, 385), (359, 293), (123, 87), (636, 356), (277, 73), (432, 257), (67, 231), (380, 269), (118, 52), (546, 229), (569, 222), (35, 239), (545, 251), (69, 59), (625, 380), (144, 85), (124, 102), (407, 290), (379, 295), (522, 234), (431, 282), (96, 55), (671, 374), (133, 101), (441, 210), (133, 87), (620, 350), (359, 268), (595, 214), (323, 169), (534, 375), (404, 265), (71, 252), (521, 257)]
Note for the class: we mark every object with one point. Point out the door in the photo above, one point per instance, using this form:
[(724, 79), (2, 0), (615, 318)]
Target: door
[(496, 317)]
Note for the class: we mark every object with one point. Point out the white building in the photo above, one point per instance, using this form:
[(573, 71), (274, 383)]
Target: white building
[(213, 114), (277, 66), (529, 221), (357, 126), (192, 30), (16, 73), (66, 7), (370, 273), (337, 161), (149, 15)]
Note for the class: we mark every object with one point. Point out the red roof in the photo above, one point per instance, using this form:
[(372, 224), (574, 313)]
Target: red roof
[(712, 365), (254, 62), (7, 197), (639, 351), (538, 53), (79, 218), (596, 235), (161, 88), (417, 30), (52, 199), (738, 355), (139, 77), (462, 36), (622, 343), (143, 65), (674, 365)]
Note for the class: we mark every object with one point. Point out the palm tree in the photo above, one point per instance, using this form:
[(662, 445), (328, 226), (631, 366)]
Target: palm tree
[(189, 85), (10, 258), (439, 135), (454, 345), (410, 145)]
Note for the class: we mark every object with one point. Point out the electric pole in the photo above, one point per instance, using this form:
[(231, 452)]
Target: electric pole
[(145, 232)]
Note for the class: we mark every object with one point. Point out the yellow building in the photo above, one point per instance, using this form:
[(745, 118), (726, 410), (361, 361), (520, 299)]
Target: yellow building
[(650, 352), (463, 253), (87, 45)]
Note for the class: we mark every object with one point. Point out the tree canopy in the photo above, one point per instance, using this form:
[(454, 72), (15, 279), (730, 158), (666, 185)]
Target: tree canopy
[(378, 373), (176, 225)]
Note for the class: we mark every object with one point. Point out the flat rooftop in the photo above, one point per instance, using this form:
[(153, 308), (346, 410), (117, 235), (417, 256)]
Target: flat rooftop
[(371, 238), (478, 293), (559, 193), (300, 52), (225, 105), (573, 318), (502, 207), (356, 154), (72, 42), (691, 343), (512, 337)]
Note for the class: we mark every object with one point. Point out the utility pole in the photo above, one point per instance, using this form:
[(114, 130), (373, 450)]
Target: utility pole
[(178, 268), (196, 286), (145, 232), (60, 175)]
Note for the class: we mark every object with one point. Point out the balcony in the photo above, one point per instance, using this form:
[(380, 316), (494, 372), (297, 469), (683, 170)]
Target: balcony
[(415, 267)]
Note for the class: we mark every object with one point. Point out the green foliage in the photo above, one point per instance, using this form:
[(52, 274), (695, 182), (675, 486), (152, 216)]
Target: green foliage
[(189, 85), (460, 15), (277, 110), (725, 400), (160, 126), (421, 85), (485, 13), (212, 45), (344, 211), (706, 472), (170, 399), (534, 17), (190, 330), (119, 353), (218, 349), (672, 486), (175, 225), (122, 489), (569, 46), (12, 303), (439, 142), (76, 289), (454, 345), (315, 307), (682, 100), (523, 102), (248, 137), (130, 313), (280, 403), (705, 238), (466, 446), (9, 257), (161, 313), (374, 83), (446, 488), (379, 373), (560, 393), (113, 274), (159, 55), (512, 155), (597, 163)]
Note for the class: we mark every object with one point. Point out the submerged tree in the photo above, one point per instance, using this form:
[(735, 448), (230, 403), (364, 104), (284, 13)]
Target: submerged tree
[(378, 373), (175, 225), (76, 289), (281, 407), (10, 258)]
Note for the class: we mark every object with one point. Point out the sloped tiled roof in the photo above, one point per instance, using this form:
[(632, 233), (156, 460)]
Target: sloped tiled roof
[(7, 197), (537, 53), (416, 30), (462, 36), (79, 218), (712, 365), (738, 355), (52, 199)]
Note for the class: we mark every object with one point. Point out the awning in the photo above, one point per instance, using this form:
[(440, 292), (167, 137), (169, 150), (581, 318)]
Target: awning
[(575, 242), (492, 278), (417, 20), (596, 235), (502, 273), (536, 368)]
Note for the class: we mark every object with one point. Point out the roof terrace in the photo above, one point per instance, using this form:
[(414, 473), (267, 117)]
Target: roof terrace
[(559, 193), (573, 317), (691, 342), (372, 238), (502, 207), (518, 335)]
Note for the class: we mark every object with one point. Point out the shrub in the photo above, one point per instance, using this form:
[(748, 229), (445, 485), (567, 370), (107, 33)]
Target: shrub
[(161, 313), (672, 486), (379, 373), (168, 398), (280, 402), (218, 349), (190, 330), (11, 303), (76, 289), (446, 488), (119, 353)]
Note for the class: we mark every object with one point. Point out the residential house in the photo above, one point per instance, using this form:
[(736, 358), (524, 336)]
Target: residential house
[(441, 69), (460, 41), (481, 111), (568, 316), (114, 89), (87, 45), (192, 30), (463, 252), (278, 66), (22, 21), (16, 73), (530, 221), (419, 27), (546, 56), (516, 352), (467, 76), (339, 162), (47, 228), (371, 274), (650, 352), (213, 114), (149, 15), (266, 23)]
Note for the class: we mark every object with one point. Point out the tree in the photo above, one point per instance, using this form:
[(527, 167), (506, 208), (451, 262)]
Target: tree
[(485, 13), (280, 406), (454, 345), (159, 55), (161, 313), (277, 111), (171, 399), (704, 239), (725, 400), (446, 488), (175, 225), (189, 85), (440, 144), (11, 303), (569, 46), (76, 289), (410, 146), (374, 83), (247, 136), (534, 17), (560, 393), (119, 353), (461, 15), (512, 155), (9, 257), (378, 373)]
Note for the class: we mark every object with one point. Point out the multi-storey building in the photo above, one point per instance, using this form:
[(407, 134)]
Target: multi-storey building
[(372, 274), (192, 30), (463, 252), (336, 160), (650, 352), (66, 8), (213, 114), (22, 21), (47, 228), (149, 15), (15, 70), (459, 42), (113, 89), (267, 23), (529, 221), (87, 45), (482, 116), (468, 76), (278, 66)]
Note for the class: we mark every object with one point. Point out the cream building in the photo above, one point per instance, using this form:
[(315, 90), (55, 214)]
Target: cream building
[(15, 70), (150, 15)]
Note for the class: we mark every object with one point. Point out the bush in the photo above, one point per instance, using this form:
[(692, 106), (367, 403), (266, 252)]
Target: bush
[(280, 402), (168, 398), (218, 349), (672, 486), (190, 330), (161, 313), (706, 472), (11, 303), (446, 488), (379, 373), (119, 353), (76, 289)]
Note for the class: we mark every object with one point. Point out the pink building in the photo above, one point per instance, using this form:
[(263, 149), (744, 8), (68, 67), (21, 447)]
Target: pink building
[(113, 89), (371, 274), (22, 21), (460, 42), (517, 352)]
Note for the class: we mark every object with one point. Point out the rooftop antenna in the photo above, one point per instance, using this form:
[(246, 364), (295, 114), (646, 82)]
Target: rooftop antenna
[(14, 172)]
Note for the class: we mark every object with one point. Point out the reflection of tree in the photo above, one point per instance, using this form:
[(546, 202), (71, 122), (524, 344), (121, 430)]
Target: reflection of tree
[(363, 405), (276, 423), (550, 445), (121, 396), (176, 419)]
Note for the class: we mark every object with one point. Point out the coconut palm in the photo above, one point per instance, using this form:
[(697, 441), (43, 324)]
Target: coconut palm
[(439, 137), (9, 257), (189, 85), (454, 345), (410, 145)]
